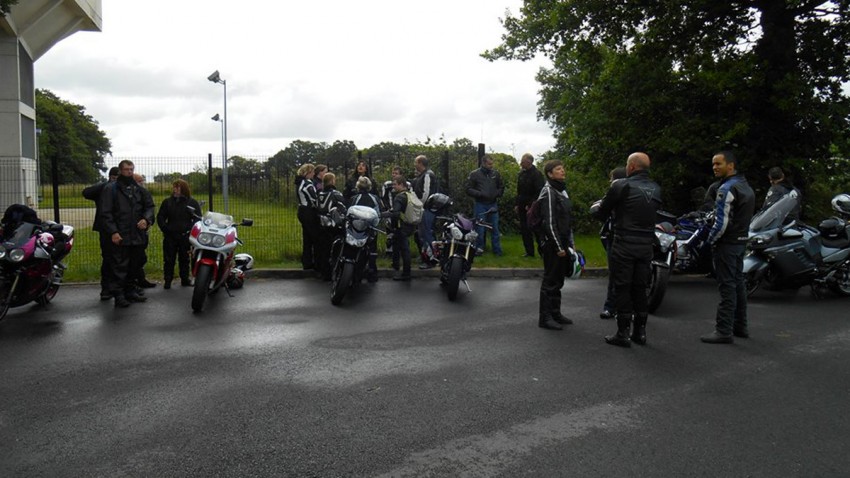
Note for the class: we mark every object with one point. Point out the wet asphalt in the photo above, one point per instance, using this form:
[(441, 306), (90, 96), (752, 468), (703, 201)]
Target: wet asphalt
[(398, 381)]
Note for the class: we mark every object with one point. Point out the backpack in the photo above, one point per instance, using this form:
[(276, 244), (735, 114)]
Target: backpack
[(532, 216), (413, 212)]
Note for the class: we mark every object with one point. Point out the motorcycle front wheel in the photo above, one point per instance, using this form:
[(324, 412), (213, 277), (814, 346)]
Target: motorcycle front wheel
[(51, 291), (658, 278), (202, 285), (453, 276), (842, 280), (4, 296), (339, 286)]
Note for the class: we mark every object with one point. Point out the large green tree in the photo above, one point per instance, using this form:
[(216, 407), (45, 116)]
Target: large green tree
[(5, 5), (681, 79), (70, 136)]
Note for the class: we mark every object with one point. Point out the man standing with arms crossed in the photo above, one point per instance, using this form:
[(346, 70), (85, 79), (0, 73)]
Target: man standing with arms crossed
[(733, 210), (528, 185)]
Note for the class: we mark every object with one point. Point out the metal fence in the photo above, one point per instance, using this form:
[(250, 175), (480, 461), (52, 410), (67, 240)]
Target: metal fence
[(265, 194)]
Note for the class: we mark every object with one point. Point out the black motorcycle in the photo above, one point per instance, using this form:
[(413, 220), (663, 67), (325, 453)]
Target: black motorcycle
[(351, 250), (785, 254), (663, 260), (455, 249), (693, 252)]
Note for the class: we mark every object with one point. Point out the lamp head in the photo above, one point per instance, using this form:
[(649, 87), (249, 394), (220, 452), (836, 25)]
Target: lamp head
[(216, 117), (215, 77)]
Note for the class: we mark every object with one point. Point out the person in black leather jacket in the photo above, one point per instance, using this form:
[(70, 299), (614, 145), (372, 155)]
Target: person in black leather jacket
[(607, 237), (364, 197), (634, 202), (779, 187), (128, 213), (528, 185), (557, 240), (402, 230), (733, 211), (485, 186), (331, 204), (93, 193), (175, 220)]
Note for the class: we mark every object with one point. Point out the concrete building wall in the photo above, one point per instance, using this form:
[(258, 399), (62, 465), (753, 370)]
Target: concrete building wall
[(30, 29)]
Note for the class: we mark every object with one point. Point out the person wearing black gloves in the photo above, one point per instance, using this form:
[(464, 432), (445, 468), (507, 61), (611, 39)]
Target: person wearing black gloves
[(556, 213), (175, 220), (92, 193), (528, 185), (128, 212), (634, 202)]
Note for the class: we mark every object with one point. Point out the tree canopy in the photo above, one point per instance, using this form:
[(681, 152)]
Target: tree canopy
[(5, 5), (72, 137), (683, 79)]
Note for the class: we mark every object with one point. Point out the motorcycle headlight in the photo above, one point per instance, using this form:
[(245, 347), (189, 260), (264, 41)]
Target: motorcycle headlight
[(664, 239), (359, 225), (16, 255), (471, 236), (355, 241), (457, 235), (205, 238), (218, 240)]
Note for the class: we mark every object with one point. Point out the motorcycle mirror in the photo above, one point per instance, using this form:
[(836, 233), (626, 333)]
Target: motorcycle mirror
[(202, 202), (247, 222)]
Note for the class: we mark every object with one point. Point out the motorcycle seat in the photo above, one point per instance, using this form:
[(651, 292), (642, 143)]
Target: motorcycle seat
[(836, 243)]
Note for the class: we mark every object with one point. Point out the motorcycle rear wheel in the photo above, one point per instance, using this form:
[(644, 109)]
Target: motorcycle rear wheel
[(658, 279), (453, 276), (341, 283), (202, 285), (842, 280)]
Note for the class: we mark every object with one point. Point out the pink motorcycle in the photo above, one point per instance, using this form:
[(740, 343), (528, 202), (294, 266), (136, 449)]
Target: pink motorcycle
[(30, 262)]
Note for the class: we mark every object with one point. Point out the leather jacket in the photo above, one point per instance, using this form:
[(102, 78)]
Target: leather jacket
[(634, 201)]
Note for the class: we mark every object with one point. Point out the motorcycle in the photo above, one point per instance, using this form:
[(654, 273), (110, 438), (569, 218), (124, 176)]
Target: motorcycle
[(455, 250), (214, 264), (663, 260), (693, 252), (30, 263), (787, 255), (351, 250)]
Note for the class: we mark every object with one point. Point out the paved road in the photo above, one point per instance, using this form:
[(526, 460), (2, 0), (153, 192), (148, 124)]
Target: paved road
[(399, 382)]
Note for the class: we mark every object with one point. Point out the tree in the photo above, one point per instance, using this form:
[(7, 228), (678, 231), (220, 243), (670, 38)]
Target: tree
[(682, 79), (72, 137), (5, 5)]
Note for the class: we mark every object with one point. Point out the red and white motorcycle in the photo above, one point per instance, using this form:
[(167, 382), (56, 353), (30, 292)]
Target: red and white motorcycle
[(30, 262), (214, 264)]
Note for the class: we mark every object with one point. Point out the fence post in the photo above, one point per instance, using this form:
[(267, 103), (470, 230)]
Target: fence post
[(445, 169), (54, 170), (210, 180), (480, 153)]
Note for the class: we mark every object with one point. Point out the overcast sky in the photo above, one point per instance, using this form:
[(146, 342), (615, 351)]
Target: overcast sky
[(323, 70)]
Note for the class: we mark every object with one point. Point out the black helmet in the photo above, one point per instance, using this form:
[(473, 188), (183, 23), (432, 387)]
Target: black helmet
[(437, 202), (841, 203)]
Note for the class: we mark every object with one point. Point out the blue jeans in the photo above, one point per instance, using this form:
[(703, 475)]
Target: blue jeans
[(491, 218), (729, 270), (426, 232)]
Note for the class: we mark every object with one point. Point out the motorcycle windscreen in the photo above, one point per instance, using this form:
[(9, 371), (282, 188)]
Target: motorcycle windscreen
[(21, 235), (218, 220), (774, 216)]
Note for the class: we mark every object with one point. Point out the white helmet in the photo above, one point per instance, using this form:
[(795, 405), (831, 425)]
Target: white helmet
[(574, 271), (841, 203)]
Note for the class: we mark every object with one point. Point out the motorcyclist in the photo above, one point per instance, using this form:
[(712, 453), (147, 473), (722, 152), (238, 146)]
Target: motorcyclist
[(402, 229), (780, 186), (331, 209)]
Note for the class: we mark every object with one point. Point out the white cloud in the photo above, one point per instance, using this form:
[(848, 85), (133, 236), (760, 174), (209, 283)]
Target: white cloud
[(370, 71)]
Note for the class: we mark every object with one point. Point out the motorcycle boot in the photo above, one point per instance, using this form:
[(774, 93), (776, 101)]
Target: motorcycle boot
[(545, 320), (621, 338), (555, 311), (639, 330), (121, 302)]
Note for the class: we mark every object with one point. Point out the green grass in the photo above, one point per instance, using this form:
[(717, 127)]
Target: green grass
[(274, 240)]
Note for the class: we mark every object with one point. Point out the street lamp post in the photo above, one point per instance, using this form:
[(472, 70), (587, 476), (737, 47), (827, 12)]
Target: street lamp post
[(216, 78), (223, 150)]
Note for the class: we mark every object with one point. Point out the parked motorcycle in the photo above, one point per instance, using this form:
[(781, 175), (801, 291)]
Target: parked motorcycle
[(455, 249), (351, 250), (693, 252), (30, 263), (787, 255), (214, 264), (663, 260)]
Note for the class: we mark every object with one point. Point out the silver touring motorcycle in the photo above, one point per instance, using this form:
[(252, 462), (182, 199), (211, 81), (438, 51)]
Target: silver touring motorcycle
[(785, 254)]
